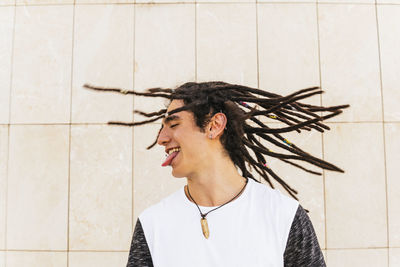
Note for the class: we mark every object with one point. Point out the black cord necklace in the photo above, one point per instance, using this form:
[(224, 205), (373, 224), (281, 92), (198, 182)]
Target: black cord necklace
[(203, 220)]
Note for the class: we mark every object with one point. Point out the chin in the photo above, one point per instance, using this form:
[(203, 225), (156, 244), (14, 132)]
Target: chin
[(177, 174)]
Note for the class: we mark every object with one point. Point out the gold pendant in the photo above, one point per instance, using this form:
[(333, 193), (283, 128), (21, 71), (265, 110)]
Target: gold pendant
[(204, 227)]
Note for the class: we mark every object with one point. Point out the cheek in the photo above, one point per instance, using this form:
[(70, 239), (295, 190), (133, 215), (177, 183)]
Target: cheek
[(196, 147), (192, 144)]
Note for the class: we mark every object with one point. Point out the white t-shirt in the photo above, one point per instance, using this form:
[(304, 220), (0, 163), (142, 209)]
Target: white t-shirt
[(257, 224)]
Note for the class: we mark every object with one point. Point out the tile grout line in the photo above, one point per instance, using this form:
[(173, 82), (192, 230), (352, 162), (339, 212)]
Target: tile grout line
[(258, 66), (133, 118), (195, 41), (322, 136), (205, 2), (383, 132), (257, 48), (8, 133), (70, 129)]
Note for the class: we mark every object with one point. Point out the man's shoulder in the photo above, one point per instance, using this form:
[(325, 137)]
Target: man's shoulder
[(274, 197)]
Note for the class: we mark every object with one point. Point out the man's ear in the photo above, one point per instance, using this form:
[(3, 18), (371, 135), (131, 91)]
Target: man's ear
[(217, 125)]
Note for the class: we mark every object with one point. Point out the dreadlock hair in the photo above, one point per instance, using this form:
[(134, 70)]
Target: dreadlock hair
[(239, 138)]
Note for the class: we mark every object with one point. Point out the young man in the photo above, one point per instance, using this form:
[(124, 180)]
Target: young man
[(221, 217)]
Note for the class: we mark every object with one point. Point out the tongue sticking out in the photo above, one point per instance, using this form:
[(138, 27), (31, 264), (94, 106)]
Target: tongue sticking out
[(169, 158)]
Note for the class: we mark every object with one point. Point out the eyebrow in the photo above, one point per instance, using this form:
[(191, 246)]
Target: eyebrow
[(171, 118)]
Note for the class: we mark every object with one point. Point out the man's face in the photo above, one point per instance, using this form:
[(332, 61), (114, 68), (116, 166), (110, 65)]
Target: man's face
[(179, 132)]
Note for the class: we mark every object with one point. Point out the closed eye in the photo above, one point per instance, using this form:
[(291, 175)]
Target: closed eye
[(172, 126)]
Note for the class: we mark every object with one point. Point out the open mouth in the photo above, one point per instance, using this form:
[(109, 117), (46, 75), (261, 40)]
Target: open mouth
[(171, 154)]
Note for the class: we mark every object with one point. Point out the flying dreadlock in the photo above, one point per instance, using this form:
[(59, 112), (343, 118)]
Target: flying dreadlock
[(208, 98)]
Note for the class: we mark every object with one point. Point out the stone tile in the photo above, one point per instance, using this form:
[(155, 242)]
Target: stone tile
[(43, 2), (43, 259), (101, 187), (347, 1), (98, 259), (227, 43), (37, 204), (357, 257), (164, 1), (285, 67), (2, 259), (394, 257), (389, 37), (350, 61), (392, 132), (6, 33), (3, 183), (103, 56), (164, 50), (356, 199), (388, 1), (7, 2), (104, 1), (41, 81), (225, 1), (151, 181), (287, 1)]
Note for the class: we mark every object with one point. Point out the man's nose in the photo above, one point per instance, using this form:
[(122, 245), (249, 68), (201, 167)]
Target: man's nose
[(163, 137)]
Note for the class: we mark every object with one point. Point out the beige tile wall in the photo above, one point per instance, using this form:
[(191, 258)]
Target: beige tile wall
[(71, 186), (41, 67), (37, 187), (103, 55), (100, 187), (3, 184), (283, 66), (349, 58), (164, 56), (6, 31), (358, 257), (226, 43)]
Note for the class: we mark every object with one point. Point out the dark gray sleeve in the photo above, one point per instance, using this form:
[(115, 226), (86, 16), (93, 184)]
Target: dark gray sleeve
[(302, 248), (139, 254)]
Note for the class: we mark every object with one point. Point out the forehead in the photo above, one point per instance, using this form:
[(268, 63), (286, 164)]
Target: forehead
[(176, 103), (181, 115)]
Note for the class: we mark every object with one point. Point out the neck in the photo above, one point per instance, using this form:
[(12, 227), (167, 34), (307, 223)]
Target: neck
[(215, 185)]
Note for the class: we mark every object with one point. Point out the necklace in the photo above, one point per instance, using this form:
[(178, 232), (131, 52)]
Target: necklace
[(203, 220)]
